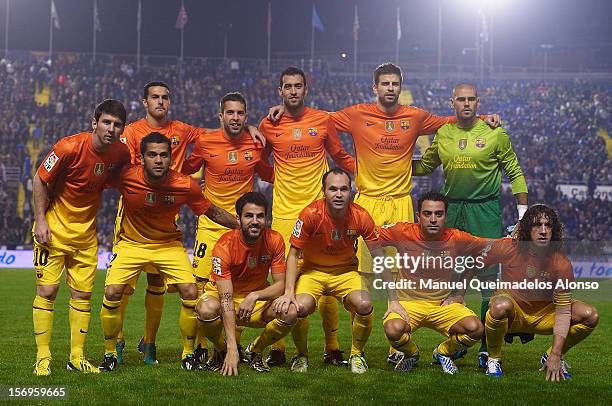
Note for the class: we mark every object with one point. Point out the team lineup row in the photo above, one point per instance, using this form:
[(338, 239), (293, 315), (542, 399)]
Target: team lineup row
[(146, 169)]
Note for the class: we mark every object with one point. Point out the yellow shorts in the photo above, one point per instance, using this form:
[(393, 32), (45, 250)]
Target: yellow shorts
[(256, 320), (129, 259), (51, 259), (285, 228), (384, 210), (429, 313), (207, 235), (540, 322), (318, 283)]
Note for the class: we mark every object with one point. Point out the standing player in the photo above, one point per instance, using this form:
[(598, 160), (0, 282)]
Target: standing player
[(537, 257), (473, 155), (325, 235), (423, 306), (148, 236), (230, 159), (298, 143), (67, 189), (240, 293)]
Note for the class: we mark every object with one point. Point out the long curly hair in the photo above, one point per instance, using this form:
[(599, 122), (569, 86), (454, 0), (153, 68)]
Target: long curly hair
[(530, 219)]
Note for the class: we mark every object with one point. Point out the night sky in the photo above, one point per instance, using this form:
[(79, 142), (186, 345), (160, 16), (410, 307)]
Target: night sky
[(517, 25)]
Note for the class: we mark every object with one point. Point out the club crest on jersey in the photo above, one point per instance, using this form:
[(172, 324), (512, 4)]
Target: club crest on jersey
[(351, 234), (216, 265), (389, 126), (404, 125), (265, 259), (312, 131), (530, 271), (252, 262), (150, 198), (297, 229), (39, 273), (480, 143), (462, 143), (175, 140), (232, 156), (296, 133), (123, 140), (168, 200), (50, 161), (248, 155), (99, 168), (194, 264), (335, 235)]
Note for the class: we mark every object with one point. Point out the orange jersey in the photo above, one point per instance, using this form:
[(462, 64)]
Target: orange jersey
[(247, 265), (384, 145), (438, 261), (298, 145), (150, 210), (524, 267), (229, 166), (179, 134), (330, 244), (76, 174)]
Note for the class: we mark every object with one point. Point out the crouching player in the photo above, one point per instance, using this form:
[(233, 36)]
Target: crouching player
[(239, 292), (547, 308), (148, 237), (423, 298)]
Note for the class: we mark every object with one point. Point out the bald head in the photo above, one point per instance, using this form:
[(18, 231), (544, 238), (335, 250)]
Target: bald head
[(464, 86)]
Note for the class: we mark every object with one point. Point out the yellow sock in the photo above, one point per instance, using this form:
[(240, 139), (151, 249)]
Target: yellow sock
[(201, 338), (300, 336), (154, 306), (279, 345), (124, 303), (362, 327), (238, 332), (576, 333), (328, 307), (455, 343), (405, 344), (111, 324), (42, 313), (495, 331), (188, 324), (274, 330), (213, 330), (79, 315)]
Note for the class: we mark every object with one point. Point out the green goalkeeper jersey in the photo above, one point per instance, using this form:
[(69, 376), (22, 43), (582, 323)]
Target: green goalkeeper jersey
[(472, 160)]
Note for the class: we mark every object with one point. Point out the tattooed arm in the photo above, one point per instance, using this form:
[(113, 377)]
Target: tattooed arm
[(228, 314), (221, 216)]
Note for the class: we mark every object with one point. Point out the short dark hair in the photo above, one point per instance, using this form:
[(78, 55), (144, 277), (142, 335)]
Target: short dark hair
[(530, 219), (432, 196), (113, 107), (232, 96), (154, 138), (387, 68), (145, 93), (255, 198), (292, 71), (337, 171)]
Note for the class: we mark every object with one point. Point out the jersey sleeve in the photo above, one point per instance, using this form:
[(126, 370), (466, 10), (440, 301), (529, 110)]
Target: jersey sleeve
[(196, 159), (221, 260), (368, 228), (264, 169), (334, 147), (130, 142), (196, 200), (303, 229), (495, 251), (342, 119), (564, 273), (56, 160), (428, 162), (278, 255), (509, 162), (430, 123)]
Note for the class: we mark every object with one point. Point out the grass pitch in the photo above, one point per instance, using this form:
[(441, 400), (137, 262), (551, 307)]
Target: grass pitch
[(136, 383)]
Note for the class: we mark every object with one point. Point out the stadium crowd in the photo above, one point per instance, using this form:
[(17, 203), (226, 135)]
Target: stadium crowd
[(553, 126)]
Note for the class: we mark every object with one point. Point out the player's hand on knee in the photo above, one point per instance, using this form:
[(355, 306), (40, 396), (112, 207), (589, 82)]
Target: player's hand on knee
[(230, 364), (42, 232), (246, 307), (276, 112), (395, 307), (552, 367), (282, 304), (493, 120)]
